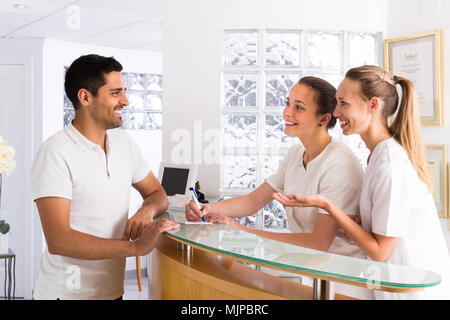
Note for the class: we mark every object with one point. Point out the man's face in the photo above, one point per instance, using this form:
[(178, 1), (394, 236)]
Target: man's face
[(107, 105)]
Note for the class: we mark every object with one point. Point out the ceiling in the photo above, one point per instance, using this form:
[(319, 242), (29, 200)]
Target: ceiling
[(130, 24)]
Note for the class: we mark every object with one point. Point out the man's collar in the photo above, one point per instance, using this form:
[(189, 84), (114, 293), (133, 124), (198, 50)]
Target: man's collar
[(79, 138)]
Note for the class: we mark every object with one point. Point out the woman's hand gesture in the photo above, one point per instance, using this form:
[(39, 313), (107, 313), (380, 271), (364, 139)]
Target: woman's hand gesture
[(293, 200)]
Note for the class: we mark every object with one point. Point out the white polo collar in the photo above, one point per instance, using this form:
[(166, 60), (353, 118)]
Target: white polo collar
[(82, 141)]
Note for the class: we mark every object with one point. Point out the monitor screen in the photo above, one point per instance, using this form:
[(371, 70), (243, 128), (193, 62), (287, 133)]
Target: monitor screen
[(174, 180)]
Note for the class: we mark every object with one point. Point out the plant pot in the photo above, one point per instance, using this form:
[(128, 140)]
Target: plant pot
[(4, 243)]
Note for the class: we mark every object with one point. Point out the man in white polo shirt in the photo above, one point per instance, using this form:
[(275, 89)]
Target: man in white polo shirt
[(81, 179)]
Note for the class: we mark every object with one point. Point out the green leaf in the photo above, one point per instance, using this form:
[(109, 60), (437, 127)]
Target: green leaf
[(4, 228)]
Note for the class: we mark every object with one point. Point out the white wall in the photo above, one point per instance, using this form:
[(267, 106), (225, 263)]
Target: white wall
[(192, 34), (20, 124), (407, 17)]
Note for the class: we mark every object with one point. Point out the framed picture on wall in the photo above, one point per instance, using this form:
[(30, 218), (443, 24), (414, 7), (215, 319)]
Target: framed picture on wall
[(436, 157), (419, 58)]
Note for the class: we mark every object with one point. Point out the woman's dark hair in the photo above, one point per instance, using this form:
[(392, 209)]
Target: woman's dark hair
[(88, 72), (325, 96)]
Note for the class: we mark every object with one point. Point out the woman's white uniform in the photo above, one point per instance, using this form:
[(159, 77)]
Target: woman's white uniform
[(335, 173), (396, 203)]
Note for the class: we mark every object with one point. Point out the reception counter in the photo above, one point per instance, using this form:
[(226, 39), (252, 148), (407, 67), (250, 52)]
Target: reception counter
[(215, 261)]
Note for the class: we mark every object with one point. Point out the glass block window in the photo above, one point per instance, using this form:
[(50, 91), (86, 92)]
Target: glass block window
[(69, 111), (324, 50), (239, 48), (144, 94), (259, 67), (277, 86), (240, 89), (282, 49), (362, 49)]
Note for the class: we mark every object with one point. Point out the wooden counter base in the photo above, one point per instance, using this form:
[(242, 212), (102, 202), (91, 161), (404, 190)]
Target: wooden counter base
[(197, 275)]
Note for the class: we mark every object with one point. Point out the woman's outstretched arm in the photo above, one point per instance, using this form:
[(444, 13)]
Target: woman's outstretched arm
[(376, 246)]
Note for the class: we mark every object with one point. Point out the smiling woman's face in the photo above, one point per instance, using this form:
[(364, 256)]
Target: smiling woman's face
[(352, 109), (300, 113)]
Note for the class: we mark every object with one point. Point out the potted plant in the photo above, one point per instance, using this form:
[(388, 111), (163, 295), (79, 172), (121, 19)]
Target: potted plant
[(7, 165), (4, 236)]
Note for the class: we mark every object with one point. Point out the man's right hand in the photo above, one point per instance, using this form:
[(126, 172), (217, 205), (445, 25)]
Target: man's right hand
[(150, 234), (192, 212)]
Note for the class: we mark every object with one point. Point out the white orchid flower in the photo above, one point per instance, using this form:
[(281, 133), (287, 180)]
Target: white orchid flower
[(7, 153)]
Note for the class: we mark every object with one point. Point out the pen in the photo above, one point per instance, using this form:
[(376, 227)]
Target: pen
[(194, 197)]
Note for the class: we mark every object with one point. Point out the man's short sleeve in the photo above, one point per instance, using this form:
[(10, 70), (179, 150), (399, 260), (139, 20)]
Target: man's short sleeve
[(140, 167), (50, 175)]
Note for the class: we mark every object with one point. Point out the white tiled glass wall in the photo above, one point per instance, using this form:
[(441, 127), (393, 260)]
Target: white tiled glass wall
[(258, 69)]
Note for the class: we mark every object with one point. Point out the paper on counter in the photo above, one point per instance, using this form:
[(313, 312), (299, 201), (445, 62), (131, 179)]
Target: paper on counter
[(197, 222)]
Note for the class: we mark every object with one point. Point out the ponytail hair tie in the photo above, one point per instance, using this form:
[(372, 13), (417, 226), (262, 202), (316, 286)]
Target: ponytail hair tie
[(395, 78)]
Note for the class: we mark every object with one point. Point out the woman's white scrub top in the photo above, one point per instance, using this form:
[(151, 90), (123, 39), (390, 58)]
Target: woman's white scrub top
[(396, 203), (335, 173)]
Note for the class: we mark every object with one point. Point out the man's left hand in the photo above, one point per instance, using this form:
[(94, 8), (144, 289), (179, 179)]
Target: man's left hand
[(141, 219)]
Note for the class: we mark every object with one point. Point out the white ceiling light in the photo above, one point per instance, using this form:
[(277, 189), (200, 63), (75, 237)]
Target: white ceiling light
[(20, 6)]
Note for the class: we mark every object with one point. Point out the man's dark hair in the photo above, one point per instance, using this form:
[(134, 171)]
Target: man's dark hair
[(88, 72), (325, 96)]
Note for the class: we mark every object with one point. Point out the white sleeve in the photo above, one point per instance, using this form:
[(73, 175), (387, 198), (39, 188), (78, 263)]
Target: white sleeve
[(140, 167), (390, 205), (342, 184), (50, 175)]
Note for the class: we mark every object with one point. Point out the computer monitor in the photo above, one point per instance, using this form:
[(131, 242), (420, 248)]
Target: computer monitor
[(177, 178)]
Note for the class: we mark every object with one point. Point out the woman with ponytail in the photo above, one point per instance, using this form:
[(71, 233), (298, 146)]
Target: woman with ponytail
[(399, 222)]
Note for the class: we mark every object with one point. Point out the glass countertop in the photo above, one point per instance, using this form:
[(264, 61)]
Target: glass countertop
[(227, 240)]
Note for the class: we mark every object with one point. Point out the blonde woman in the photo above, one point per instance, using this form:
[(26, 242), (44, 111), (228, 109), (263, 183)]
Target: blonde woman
[(400, 224)]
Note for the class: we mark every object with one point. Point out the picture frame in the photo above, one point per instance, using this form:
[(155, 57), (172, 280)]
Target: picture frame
[(418, 58), (436, 158)]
